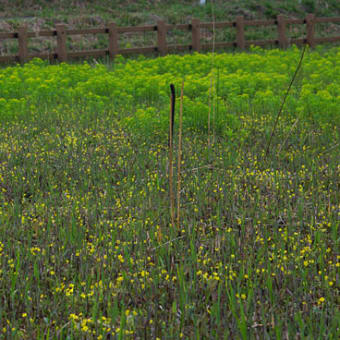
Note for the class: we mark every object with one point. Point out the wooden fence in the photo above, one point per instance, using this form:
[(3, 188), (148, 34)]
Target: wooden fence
[(113, 31)]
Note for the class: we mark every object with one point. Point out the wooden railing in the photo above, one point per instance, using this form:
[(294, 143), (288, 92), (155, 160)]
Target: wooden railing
[(61, 32)]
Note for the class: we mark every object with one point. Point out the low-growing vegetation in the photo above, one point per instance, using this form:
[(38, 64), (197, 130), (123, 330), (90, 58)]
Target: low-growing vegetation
[(87, 249)]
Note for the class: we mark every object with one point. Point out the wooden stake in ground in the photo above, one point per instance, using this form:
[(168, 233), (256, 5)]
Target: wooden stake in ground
[(171, 169), (179, 158)]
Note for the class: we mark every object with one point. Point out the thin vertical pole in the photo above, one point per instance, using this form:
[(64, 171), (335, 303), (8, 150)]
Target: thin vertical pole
[(209, 112), (179, 159), (171, 169)]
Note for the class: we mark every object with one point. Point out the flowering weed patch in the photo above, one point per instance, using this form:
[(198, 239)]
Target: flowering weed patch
[(86, 246)]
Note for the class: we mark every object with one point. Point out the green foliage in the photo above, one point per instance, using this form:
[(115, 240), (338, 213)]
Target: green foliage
[(86, 246), (235, 84)]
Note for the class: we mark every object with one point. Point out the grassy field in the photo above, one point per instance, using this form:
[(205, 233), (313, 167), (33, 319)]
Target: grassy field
[(39, 15), (87, 250)]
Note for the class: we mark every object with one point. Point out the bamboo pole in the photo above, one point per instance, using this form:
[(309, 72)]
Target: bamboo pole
[(209, 112), (179, 159)]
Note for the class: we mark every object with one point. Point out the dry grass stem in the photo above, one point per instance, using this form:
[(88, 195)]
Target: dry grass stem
[(285, 97), (209, 112), (179, 157)]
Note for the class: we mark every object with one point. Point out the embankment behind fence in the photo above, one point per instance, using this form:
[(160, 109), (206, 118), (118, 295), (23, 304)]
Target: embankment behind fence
[(61, 32)]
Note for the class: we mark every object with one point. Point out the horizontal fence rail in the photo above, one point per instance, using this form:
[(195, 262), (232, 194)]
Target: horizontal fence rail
[(113, 31)]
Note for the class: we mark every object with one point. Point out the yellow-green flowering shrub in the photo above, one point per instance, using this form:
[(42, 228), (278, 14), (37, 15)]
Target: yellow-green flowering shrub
[(235, 83)]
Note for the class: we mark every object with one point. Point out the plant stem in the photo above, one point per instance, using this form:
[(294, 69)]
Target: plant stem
[(285, 97)]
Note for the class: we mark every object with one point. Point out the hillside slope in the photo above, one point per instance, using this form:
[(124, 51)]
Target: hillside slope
[(39, 14)]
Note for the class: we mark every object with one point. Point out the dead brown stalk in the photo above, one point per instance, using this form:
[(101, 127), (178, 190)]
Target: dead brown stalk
[(179, 159)]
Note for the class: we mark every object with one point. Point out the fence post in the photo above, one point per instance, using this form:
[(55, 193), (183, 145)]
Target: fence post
[(113, 40), (22, 41), (310, 23), (281, 28), (196, 35), (240, 39), (161, 38), (61, 42)]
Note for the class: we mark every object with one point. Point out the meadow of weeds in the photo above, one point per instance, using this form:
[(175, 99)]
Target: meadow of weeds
[(86, 246)]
